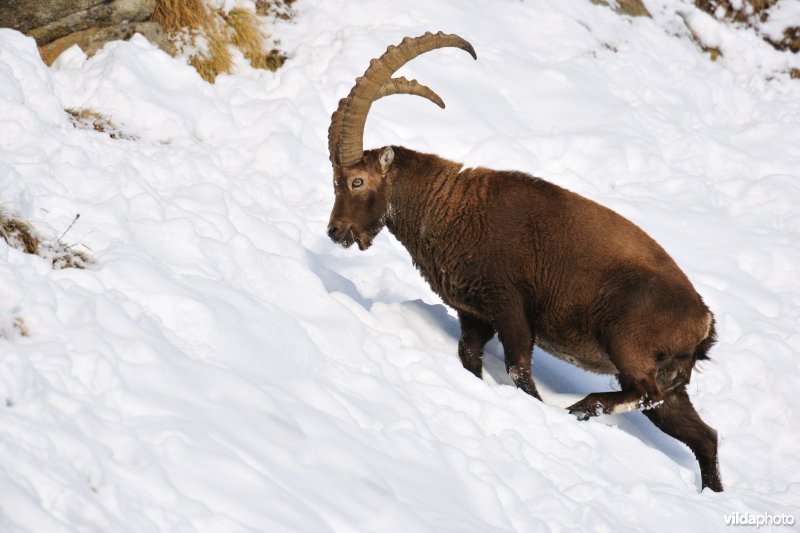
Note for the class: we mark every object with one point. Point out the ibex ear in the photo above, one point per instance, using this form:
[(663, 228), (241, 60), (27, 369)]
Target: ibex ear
[(386, 158)]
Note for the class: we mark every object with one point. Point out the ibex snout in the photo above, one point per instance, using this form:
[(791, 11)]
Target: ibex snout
[(337, 232), (344, 234)]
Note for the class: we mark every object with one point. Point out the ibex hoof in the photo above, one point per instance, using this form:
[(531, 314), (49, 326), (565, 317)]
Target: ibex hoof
[(580, 415), (587, 408)]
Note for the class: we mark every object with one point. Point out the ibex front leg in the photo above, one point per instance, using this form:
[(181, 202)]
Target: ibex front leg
[(475, 333)]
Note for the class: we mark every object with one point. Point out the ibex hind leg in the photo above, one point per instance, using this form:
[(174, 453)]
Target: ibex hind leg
[(678, 418)]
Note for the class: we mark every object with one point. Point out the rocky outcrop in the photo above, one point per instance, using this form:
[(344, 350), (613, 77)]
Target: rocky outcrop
[(93, 39), (58, 24)]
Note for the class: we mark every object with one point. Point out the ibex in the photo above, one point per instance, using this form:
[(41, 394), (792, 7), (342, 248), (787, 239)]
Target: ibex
[(535, 263)]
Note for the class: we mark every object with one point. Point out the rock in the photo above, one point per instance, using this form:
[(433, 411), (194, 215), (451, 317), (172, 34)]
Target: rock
[(24, 15), (48, 20), (93, 39)]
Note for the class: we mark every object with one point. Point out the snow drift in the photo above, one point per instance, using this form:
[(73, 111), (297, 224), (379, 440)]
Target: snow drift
[(223, 367)]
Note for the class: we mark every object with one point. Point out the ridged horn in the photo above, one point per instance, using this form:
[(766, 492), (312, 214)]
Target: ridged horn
[(333, 131), (404, 86), (353, 111), (393, 86)]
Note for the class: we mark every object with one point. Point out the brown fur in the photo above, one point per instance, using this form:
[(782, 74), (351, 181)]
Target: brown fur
[(522, 257)]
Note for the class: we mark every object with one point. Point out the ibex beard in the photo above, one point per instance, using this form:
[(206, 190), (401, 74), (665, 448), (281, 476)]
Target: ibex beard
[(521, 257)]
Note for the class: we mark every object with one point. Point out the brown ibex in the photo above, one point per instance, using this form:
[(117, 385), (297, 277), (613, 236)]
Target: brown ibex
[(537, 264)]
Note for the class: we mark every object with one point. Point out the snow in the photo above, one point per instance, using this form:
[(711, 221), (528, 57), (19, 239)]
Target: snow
[(222, 366)]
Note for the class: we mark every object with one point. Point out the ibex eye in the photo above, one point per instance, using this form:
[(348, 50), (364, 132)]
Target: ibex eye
[(356, 183)]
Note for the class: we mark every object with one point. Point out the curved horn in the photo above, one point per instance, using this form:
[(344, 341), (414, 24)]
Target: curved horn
[(353, 117), (393, 86), (403, 86), (333, 131)]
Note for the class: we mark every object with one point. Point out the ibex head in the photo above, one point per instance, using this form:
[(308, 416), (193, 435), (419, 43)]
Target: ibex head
[(360, 209)]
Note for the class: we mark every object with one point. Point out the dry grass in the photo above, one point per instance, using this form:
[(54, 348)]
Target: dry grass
[(21, 235), (751, 13), (65, 257), (749, 8), (19, 326), (210, 33), (89, 119), (790, 41), (215, 59), (244, 32), (634, 8), (11, 328), (713, 52), (246, 36), (281, 9), (18, 234), (175, 16), (190, 23)]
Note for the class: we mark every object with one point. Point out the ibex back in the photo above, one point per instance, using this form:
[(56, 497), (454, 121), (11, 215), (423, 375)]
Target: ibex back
[(521, 257)]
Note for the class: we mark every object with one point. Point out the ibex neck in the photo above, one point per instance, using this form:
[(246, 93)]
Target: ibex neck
[(416, 190)]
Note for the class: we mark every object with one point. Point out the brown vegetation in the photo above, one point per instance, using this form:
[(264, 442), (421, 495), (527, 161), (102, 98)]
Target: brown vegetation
[(790, 41), (21, 235), (88, 119), (15, 327), (19, 326), (281, 9), (713, 52), (634, 8), (193, 25), (176, 15), (18, 234), (246, 36), (751, 13)]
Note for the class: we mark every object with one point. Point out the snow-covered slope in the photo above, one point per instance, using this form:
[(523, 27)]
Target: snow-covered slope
[(224, 367)]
